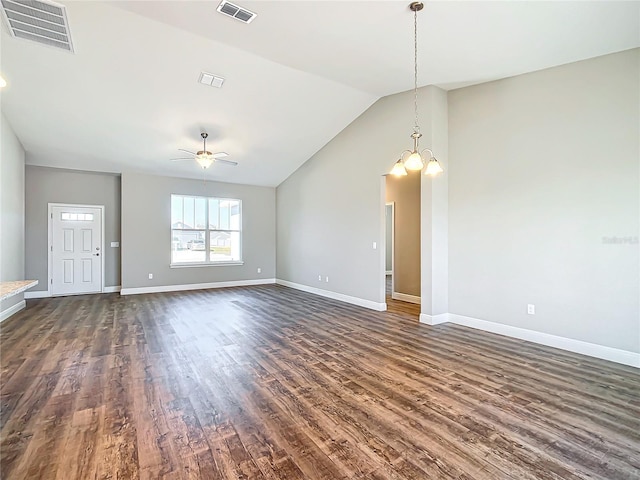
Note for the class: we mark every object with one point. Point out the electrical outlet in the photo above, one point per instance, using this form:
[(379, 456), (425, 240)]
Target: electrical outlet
[(531, 309), (259, 270), (326, 279), (319, 278), (151, 276)]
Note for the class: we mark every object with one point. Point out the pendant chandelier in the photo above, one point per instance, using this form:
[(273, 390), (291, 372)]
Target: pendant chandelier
[(415, 158)]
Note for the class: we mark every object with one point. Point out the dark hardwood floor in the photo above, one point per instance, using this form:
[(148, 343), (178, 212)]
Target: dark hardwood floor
[(268, 382), (410, 310)]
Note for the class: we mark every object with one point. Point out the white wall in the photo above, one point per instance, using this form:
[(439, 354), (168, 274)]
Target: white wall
[(543, 169), (55, 185), (11, 210), (146, 232)]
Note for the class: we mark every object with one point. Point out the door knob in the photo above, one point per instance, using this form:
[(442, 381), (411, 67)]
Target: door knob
[(96, 254)]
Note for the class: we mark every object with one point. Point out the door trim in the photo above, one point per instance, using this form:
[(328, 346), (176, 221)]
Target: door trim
[(50, 207), (393, 249)]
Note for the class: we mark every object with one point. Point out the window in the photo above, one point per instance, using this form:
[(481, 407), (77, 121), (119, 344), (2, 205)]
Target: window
[(205, 231), (76, 217)]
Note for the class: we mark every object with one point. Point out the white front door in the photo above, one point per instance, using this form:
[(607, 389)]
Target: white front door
[(76, 250)]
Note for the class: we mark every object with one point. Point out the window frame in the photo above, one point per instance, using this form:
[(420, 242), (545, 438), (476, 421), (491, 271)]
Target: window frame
[(207, 233)]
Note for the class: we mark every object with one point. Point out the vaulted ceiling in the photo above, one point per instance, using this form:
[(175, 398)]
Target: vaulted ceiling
[(128, 97)]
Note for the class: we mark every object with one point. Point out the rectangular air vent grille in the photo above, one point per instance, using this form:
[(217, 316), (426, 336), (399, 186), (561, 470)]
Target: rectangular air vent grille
[(211, 79), (40, 21), (239, 13)]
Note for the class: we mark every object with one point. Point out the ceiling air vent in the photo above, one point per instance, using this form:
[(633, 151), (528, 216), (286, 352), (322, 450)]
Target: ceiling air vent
[(236, 12), (41, 21), (211, 79)]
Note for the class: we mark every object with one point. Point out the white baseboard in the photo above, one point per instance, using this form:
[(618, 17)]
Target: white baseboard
[(12, 310), (577, 346), (36, 294), (196, 286), (389, 272), (361, 302), (434, 319), (405, 297), (46, 294)]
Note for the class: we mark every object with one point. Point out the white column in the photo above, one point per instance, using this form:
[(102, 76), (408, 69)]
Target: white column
[(434, 214)]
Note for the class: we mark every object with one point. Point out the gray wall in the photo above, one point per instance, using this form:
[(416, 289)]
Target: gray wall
[(146, 231), (543, 169), (331, 210), (405, 193), (11, 210), (53, 185)]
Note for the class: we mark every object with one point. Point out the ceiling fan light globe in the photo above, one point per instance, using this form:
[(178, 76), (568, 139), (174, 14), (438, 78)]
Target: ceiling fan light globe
[(414, 162), (204, 160)]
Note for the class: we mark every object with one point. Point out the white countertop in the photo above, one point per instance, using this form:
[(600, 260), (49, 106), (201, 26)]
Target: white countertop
[(9, 289)]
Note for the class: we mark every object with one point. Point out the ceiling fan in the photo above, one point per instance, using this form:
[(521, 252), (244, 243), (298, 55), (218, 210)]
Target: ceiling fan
[(204, 157)]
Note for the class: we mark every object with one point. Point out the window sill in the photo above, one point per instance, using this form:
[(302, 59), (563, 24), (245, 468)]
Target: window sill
[(216, 264)]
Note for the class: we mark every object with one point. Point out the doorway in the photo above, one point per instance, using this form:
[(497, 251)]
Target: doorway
[(402, 239), (76, 246)]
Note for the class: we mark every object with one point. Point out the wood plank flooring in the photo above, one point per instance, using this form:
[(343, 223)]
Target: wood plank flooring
[(271, 383)]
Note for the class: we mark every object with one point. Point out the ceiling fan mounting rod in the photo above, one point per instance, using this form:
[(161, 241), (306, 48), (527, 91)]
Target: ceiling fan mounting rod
[(204, 136)]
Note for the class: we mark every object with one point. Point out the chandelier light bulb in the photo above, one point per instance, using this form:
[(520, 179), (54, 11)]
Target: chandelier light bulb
[(433, 167), (398, 169), (414, 162)]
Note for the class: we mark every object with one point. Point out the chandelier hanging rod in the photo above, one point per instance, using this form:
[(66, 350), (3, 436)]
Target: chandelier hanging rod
[(415, 159)]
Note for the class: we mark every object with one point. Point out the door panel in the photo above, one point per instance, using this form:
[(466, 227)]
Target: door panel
[(87, 270), (86, 240), (67, 267), (68, 240), (76, 254)]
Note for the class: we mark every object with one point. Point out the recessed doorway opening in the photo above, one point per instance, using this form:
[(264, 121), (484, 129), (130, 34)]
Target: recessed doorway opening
[(402, 241)]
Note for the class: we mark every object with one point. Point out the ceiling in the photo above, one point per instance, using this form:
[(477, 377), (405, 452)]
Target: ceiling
[(295, 77)]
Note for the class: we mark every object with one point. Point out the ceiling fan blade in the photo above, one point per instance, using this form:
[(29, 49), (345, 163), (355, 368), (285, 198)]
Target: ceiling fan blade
[(179, 159), (220, 154), (228, 162), (186, 151)]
